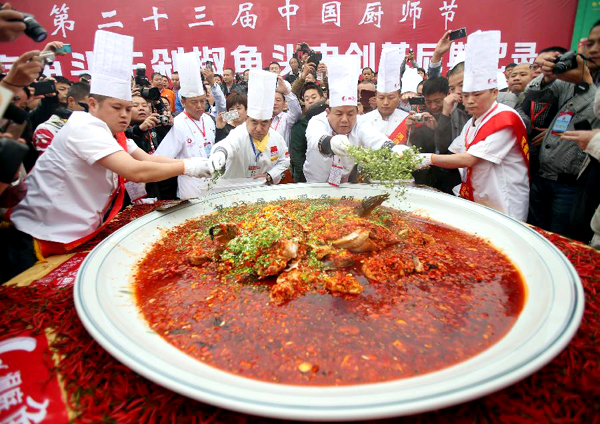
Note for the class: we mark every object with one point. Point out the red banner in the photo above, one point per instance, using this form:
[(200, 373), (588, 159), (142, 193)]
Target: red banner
[(242, 35), (28, 392)]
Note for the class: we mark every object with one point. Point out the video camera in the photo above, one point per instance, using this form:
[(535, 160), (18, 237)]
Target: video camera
[(140, 76), (152, 95)]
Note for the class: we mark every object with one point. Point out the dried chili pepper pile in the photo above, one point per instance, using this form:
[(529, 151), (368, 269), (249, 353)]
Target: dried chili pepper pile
[(100, 389)]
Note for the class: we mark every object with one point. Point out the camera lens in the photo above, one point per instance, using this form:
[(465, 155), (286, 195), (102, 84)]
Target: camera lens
[(33, 29), (151, 94)]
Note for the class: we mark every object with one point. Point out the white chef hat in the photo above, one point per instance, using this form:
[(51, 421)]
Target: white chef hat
[(261, 94), (481, 62), (190, 80), (502, 83), (388, 78), (410, 80), (111, 68), (343, 80)]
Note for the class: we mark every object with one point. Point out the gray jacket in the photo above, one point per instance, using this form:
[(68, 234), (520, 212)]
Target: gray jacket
[(448, 128), (556, 155)]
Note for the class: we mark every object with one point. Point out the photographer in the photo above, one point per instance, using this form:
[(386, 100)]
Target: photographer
[(422, 129), (147, 130), (554, 187)]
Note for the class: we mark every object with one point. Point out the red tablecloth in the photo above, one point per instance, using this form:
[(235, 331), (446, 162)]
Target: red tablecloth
[(99, 388)]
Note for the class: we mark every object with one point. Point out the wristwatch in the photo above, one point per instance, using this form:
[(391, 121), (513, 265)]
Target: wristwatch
[(269, 179)]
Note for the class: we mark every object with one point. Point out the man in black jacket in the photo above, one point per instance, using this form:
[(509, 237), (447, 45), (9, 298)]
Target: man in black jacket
[(147, 132)]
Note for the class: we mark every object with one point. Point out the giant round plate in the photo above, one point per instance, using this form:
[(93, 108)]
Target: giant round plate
[(550, 317)]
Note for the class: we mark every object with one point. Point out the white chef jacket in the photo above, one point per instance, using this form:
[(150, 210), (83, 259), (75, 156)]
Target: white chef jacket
[(67, 190), (501, 179), (284, 121), (189, 138), (317, 166), (244, 160), (385, 126)]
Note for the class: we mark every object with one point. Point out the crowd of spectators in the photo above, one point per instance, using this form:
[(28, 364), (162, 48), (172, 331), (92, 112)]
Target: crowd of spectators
[(560, 111)]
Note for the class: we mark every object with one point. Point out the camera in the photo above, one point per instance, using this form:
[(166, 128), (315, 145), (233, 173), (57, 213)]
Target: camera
[(419, 117), (33, 29), (47, 58), (140, 76), (151, 94), (232, 115), (163, 120), (565, 63)]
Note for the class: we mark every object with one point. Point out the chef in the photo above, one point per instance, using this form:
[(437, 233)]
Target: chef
[(193, 131), (387, 119), (492, 146), (254, 150), (80, 179), (330, 133)]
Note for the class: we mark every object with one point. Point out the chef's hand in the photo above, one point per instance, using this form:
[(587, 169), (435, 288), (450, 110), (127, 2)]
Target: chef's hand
[(218, 160), (197, 167), (425, 160), (339, 145), (399, 149)]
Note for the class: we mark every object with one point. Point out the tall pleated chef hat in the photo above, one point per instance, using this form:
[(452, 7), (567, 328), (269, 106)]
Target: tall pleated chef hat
[(410, 80), (261, 94), (343, 80), (190, 80), (111, 68), (481, 61), (388, 78)]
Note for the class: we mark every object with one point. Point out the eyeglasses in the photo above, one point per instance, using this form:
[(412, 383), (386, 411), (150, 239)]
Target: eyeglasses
[(535, 66)]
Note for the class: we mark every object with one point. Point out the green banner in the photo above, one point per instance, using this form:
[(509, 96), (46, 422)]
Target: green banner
[(588, 12)]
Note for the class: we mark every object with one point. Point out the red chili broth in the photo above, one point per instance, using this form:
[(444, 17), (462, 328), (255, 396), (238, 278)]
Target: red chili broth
[(420, 324)]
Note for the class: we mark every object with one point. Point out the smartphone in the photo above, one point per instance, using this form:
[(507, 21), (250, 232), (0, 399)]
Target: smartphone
[(43, 87), (209, 65), (66, 48), (459, 33), (232, 115), (365, 96), (315, 58), (416, 101), (582, 125)]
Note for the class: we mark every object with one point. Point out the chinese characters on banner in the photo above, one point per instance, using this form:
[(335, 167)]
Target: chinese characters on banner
[(28, 394), (250, 34)]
